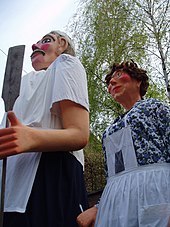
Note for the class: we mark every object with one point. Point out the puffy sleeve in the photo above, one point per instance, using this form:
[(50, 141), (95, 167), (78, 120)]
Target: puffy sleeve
[(69, 82), (163, 120)]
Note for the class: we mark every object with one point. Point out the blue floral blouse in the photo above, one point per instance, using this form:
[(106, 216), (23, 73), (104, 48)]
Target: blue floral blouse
[(149, 121)]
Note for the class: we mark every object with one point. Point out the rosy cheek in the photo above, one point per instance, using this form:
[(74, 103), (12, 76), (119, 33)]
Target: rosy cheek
[(45, 46), (125, 78)]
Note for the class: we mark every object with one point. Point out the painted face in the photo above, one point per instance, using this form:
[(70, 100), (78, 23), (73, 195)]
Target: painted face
[(122, 87), (45, 52)]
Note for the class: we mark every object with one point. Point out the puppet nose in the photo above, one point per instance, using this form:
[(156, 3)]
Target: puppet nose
[(112, 81), (35, 46)]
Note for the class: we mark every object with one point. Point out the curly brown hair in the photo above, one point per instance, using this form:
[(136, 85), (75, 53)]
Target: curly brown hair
[(134, 72)]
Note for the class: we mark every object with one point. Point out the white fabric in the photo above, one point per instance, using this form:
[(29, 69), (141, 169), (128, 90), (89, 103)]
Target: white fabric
[(37, 107), (135, 196), (121, 142)]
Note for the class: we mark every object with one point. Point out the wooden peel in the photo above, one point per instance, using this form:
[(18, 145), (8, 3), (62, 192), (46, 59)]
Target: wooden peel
[(10, 92)]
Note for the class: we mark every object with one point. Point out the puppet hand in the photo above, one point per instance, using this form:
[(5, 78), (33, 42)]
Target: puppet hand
[(87, 218), (13, 140)]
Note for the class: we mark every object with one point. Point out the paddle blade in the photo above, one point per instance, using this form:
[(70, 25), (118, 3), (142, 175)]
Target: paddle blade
[(12, 78)]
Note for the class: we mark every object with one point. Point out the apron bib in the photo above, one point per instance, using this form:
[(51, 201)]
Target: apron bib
[(134, 196), (120, 150)]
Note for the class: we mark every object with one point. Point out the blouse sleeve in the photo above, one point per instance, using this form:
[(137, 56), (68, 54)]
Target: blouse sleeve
[(163, 120), (70, 81)]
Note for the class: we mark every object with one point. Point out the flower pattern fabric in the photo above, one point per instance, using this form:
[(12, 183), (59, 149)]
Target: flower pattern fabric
[(149, 121)]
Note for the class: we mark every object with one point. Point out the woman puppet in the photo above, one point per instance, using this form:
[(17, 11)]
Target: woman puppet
[(137, 157)]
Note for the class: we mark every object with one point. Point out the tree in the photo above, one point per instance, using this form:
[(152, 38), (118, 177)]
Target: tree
[(155, 17), (105, 33)]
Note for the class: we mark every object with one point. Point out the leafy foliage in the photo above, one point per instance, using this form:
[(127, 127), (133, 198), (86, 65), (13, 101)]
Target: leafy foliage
[(155, 17), (105, 33)]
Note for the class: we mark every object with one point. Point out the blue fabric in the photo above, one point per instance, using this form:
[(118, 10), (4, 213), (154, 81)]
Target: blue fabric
[(149, 121)]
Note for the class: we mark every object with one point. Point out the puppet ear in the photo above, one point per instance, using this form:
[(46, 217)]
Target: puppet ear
[(63, 44), (139, 83)]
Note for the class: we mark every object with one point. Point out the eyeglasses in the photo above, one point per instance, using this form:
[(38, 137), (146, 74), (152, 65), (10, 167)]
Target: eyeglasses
[(115, 75)]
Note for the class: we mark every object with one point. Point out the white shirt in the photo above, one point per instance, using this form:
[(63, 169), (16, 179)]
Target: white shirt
[(37, 107)]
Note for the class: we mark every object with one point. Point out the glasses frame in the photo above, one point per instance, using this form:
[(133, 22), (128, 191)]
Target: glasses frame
[(116, 75)]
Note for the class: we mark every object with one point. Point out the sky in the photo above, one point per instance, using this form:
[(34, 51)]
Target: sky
[(25, 22)]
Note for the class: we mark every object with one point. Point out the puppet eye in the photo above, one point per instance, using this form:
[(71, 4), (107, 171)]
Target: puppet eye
[(116, 74), (46, 40)]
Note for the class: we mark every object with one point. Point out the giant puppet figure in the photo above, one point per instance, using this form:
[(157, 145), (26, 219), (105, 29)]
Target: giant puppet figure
[(49, 126)]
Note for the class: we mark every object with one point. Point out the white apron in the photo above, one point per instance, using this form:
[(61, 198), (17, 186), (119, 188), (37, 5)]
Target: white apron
[(134, 196)]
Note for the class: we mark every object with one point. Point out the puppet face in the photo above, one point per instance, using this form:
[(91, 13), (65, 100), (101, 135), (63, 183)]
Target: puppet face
[(45, 51), (122, 87)]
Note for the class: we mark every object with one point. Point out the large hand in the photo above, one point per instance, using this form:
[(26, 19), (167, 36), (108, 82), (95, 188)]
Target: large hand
[(13, 140), (73, 136), (87, 218)]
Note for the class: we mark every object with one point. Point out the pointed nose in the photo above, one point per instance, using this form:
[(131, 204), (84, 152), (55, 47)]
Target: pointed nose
[(112, 81)]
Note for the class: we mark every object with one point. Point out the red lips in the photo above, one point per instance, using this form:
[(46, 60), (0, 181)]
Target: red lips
[(113, 89), (116, 88)]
